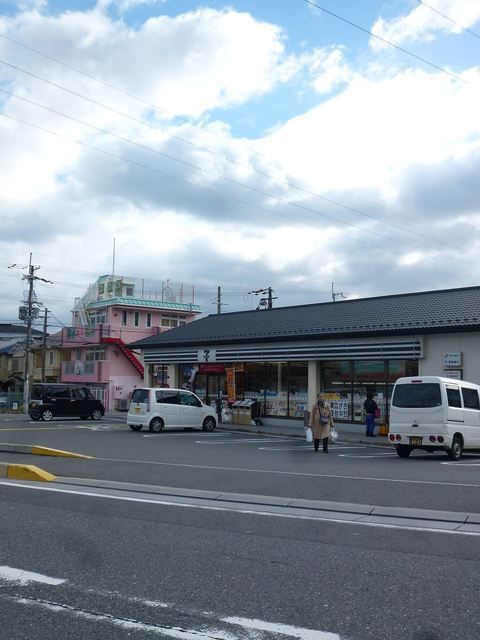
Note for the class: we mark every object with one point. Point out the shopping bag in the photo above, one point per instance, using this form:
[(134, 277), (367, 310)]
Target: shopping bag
[(308, 435), (377, 413), (333, 435)]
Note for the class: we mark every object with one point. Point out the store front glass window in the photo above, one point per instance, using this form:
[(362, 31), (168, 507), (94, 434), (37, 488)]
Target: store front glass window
[(297, 389), (369, 377), (250, 383), (337, 386), (276, 389)]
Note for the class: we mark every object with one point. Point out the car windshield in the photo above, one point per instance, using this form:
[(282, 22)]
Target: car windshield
[(417, 395)]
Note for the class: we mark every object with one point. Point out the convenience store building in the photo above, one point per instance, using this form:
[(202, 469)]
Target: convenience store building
[(283, 357)]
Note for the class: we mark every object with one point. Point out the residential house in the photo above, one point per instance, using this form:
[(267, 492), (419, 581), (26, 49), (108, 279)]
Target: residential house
[(116, 311)]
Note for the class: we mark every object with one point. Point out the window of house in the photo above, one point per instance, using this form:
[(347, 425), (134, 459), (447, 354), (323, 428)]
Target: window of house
[(136, 321), (94, 354), (149, 319), (129, 291), (101, 288), (124, 318), (109, 287), (51, 357)]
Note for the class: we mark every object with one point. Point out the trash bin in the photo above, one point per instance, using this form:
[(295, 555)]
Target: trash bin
[(236, 411), (251, 411)]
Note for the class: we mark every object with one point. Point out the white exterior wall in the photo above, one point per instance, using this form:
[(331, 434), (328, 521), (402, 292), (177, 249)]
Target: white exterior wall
[(435, 345)]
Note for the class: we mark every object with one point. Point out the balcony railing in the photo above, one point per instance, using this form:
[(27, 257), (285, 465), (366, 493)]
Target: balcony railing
[(97, 371), (93, 335)]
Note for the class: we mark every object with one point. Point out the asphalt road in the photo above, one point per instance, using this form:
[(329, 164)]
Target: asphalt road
[(132, 569)]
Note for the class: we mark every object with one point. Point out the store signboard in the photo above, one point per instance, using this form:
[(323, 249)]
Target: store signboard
[(211, 368), (455, 374), (206, 355), (452, 359)]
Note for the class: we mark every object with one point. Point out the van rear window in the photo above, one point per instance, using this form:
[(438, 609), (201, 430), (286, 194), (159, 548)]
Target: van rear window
[(417, 396), (139, 395)]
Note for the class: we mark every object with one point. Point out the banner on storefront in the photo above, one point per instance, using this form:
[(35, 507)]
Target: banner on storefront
[(211, 368), (230, 379)]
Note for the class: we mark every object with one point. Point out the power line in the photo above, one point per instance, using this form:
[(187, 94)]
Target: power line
[(187, 141), (214, 173), (209, 189), (449, 19), (384, 40)]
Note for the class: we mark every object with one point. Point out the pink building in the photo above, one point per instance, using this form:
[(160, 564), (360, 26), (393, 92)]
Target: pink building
[(114, 312)]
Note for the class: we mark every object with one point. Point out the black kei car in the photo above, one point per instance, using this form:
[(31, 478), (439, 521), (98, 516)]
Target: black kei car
[(51, 400)]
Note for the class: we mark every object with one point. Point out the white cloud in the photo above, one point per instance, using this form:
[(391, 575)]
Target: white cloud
[(423, 24), (327, 68)]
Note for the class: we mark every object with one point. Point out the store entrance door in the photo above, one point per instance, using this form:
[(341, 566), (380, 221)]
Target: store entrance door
[(214, 391)]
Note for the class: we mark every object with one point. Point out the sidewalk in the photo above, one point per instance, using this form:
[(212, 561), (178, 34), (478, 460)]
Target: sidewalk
[(347, 432)]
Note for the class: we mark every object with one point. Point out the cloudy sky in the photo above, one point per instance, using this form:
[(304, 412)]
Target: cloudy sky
[(245, 144)]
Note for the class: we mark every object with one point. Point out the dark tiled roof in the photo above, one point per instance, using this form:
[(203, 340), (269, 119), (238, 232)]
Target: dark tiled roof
[(424, 312), (17, 330)]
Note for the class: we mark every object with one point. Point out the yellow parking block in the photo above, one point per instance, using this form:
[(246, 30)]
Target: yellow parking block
[(46, 451), (25, 472)]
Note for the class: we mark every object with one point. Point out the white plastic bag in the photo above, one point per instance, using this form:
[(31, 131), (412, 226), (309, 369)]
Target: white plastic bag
[(308, 435), (333, 435)]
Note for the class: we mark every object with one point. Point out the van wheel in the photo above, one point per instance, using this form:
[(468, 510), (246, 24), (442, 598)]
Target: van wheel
[(403, 450), (97, 414), (135, 427), (456, 450), (156, 425), (47, 415), (209, 424)]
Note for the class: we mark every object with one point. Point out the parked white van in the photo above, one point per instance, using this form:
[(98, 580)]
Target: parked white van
[(434, 413), (162, 408)]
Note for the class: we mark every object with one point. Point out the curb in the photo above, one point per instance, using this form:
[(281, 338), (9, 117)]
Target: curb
[(40, 451), (271, 431), (24, 472)]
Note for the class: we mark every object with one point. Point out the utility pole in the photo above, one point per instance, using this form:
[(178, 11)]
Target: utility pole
[(265, 302), (219, 300), (44, 345), (26, 369), (27, 313), (337, 294)]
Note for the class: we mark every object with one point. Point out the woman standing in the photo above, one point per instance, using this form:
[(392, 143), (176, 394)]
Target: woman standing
[(321, 422)]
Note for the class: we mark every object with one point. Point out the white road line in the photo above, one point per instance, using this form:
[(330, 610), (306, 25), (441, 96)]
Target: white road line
[(290, 473), (372, 455), (18, 576), (309, 446), (213, 632), (244, 441), (240, 510), (184, 434), (283, 629)]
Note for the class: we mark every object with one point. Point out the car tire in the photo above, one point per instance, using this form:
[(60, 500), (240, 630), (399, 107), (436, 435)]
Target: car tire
[(96, 414), (35, 416), (83, 417), (403, 450), (46, 415), (135, 427), (209, 424), (456, 450), (156, 425)]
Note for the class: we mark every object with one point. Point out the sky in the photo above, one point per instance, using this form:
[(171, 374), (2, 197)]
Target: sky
[(248, 144)]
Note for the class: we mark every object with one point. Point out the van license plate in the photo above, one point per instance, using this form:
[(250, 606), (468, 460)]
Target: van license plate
[(416, 442), (136, 410)]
